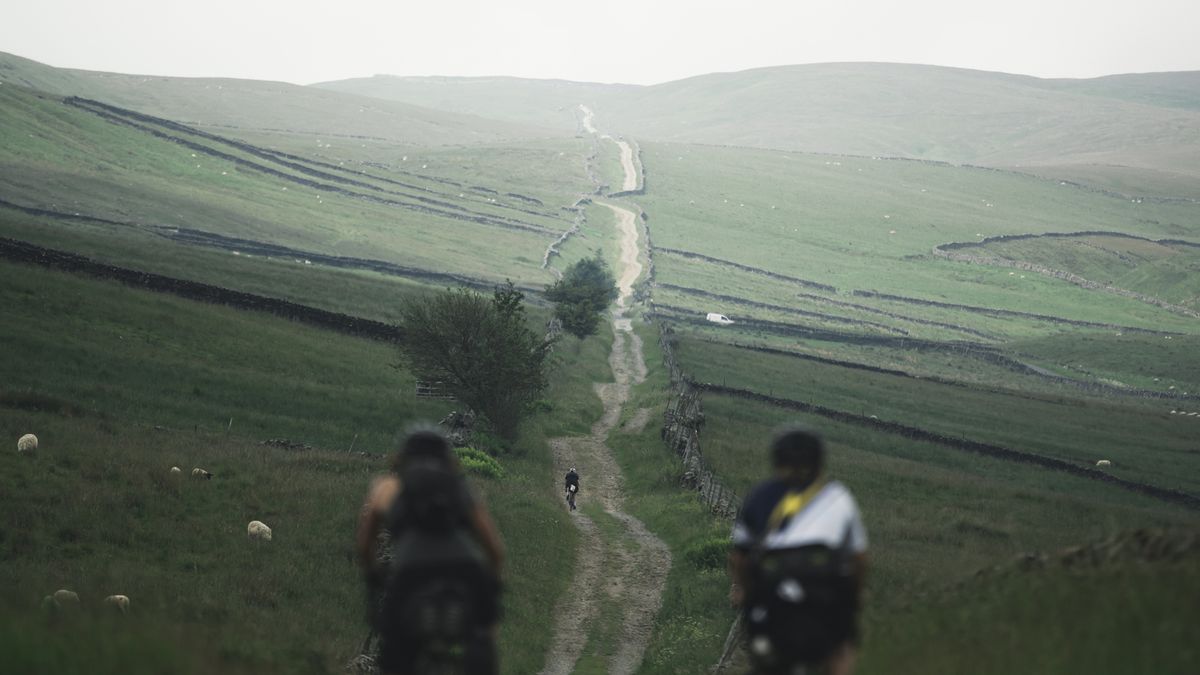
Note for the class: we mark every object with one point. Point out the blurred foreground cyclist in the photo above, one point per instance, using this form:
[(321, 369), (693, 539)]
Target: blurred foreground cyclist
[(431, 556), (798, 562)]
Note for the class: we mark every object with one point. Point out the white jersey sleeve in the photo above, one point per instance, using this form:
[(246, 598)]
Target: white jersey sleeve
[(857, 532), (832, 519)]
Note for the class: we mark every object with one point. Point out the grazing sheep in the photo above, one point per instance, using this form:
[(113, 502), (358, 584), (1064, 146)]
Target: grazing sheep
[(1104, 462), (27, 443), (176, 471), (63, 597), (258, 531), (201, 473), (119, 602)]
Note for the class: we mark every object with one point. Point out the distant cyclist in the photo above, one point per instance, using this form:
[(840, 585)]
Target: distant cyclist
[(798, 562), (571, 485)]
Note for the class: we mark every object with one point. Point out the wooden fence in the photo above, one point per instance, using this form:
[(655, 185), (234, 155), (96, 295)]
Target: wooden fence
[(682, 424)]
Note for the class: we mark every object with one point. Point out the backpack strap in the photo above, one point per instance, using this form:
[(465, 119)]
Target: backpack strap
[(792, 503)]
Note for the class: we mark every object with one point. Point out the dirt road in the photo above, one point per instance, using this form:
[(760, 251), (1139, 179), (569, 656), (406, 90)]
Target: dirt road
[(627, 571), (629, 182)]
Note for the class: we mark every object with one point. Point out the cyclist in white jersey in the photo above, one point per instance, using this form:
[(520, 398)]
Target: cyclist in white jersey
[(799, 518)]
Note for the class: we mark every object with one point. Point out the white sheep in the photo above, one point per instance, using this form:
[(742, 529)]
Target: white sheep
[(201, 473), (176, 471), (62, 596), (258, 531), (27, 443), (119, 602), (1104, 462)]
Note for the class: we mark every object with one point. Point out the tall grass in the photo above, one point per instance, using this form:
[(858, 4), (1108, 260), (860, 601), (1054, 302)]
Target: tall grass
[(121, 384)]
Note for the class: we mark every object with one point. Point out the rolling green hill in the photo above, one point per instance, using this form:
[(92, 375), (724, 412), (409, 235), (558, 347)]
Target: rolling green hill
[(1135, 122), (966, 399), (547, 103), (75, 157), (259, 106), (1171, 90), (921, 112)]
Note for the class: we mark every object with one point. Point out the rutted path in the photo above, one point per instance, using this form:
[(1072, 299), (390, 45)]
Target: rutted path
[(630, 182), (627, 574)]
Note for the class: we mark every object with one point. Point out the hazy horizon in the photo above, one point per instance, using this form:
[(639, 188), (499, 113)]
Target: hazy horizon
[(304, 42)]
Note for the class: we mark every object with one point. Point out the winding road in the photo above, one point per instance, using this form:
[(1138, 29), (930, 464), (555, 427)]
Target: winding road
[(630, 181), (625, 572)]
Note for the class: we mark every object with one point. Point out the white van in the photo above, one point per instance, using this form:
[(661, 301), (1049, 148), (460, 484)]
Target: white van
[(719, 318)]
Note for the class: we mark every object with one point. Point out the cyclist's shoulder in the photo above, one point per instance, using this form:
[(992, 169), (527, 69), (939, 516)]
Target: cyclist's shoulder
[(836, 490), (762, 498), (383, 491)]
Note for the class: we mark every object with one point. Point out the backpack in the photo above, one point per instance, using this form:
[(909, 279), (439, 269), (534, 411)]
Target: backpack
[(440, 593), (800, 602), (799, 606)]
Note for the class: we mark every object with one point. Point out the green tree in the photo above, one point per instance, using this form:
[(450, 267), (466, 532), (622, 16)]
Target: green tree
[(481, 349), (585, 290)]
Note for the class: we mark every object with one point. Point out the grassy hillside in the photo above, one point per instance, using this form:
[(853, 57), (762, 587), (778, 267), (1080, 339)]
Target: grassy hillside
[(825, 261), (552, 104), (825, 265), (858, 224), (1133, 122), (137, 382), (1125, 614), (251, 105), (1171, 90), (910, 111), (151, 174)]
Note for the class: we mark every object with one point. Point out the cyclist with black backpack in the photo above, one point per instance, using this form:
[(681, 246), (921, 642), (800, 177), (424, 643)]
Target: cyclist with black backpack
[(798, 563), (571, 485), (432, 557)]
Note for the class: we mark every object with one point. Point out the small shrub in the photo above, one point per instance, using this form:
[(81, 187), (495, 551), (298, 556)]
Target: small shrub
[(488, 442), (479, 462)]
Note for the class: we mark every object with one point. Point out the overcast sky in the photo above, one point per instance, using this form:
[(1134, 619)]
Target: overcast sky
[(633, 41)]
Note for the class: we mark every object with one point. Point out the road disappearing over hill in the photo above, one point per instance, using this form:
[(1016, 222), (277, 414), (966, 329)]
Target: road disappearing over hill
[(630, 180), (621, 570)]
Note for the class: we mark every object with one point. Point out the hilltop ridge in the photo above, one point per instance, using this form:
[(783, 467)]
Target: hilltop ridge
[(265, 106), (1126, 123)]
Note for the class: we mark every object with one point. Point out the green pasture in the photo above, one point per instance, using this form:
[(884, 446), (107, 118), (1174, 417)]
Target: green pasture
[(828, 223), (157, 360), (608, 164), (64, 159), (1157, 362), (136, 382), (1125, 181), (597, 233), (1091, 306), (99, 514), (935, 514), (725, 280), (1144, 442), (356, 292), (1165, 271), (1105, 365), (804, 313), (1124, 617)]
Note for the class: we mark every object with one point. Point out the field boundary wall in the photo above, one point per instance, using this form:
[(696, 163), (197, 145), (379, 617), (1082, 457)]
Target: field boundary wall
[(987, 449)]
